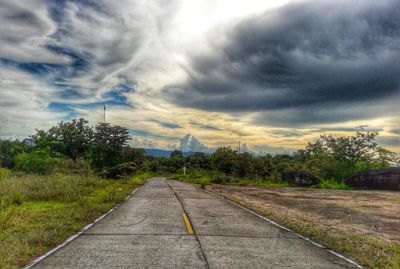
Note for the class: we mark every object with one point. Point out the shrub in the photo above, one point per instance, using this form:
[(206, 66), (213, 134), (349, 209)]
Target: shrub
[(332, 184), (218, 180), (120, 170), (37, 162), (16, 198)]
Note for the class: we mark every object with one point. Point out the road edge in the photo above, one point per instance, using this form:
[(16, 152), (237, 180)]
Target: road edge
[(287, 229), (73, 237)]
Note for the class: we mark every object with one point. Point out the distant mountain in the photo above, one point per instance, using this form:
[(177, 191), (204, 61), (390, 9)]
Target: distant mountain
[(158, 152), (166, 153)]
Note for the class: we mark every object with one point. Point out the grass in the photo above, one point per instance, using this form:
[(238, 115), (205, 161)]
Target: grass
[(204, 179), (366, 251), (332, 185), (39, 212)]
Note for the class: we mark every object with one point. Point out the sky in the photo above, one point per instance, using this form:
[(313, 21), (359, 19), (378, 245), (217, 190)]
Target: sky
[(271, 74)]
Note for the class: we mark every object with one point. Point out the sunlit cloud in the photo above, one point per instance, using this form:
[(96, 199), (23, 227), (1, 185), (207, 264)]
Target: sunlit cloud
[(271, 74)]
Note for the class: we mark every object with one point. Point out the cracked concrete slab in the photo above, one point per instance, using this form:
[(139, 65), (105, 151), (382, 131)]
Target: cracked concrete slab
[(148, 231), (143, 216), (127, 251), (247, 252)]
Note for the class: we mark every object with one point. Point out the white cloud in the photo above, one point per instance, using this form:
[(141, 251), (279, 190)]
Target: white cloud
[(25, 28), (143, 44), (23, 103), (191, 143)]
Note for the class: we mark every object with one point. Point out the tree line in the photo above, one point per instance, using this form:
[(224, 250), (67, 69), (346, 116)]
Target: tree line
[(76, 147)]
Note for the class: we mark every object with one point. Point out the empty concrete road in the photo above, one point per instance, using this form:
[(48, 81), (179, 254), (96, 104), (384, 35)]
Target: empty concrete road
[(149, 231)]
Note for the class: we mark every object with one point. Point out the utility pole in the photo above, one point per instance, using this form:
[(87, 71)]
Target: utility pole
[(239, 147), (105, 113)]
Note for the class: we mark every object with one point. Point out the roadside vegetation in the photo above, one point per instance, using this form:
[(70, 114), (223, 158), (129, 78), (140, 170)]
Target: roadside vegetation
[(325, 163), (39, 212), (56, 181)]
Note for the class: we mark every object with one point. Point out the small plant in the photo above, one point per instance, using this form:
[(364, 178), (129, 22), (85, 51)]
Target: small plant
[(332, 185), (396, 257), (16, 198)]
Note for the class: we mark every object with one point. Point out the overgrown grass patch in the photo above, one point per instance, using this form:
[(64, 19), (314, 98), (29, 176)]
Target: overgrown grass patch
[(39, 212), (332, 185), (215, 178)]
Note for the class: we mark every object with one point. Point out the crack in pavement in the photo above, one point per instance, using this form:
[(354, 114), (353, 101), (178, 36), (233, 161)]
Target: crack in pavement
[(194, 230)]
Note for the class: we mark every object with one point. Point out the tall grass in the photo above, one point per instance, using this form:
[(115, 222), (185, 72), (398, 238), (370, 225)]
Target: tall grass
[(39, 212), (4, 173), (204, 178), (48, 188)]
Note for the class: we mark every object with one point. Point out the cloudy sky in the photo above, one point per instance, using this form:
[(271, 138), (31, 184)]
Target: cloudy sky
[(272, 74)]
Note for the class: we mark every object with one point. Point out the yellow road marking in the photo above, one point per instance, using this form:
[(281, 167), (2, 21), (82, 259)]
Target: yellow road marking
[(187, 222)]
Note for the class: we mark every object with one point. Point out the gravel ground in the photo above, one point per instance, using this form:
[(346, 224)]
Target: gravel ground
[(371, 214)]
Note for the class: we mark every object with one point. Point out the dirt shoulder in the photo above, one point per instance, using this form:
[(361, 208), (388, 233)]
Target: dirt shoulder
[(364, 225)]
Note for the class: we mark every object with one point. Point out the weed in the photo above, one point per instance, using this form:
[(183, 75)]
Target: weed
[(16, 198), (333, 185)]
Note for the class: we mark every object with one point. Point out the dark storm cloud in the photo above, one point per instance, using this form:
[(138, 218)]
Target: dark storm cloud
[(302, 63)]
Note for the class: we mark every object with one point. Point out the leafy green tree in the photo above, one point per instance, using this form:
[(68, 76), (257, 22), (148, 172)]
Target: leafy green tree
[(72, 139), (264, 167), (176, 161), (9, 150), (108, 145), (339, 157), (199, 160), (224, 159), (37, 162), (121, 170), (245, 165), (134, 155), (360, 147)]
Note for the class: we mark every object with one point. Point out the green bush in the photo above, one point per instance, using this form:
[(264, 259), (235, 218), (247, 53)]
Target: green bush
[(333, 185), (16, 198), (218, 180), (37, 162), (119, 171)]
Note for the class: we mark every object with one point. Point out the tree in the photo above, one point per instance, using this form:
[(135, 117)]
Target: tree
[(199, 160), (72, 139), (176, 160), (135, 155), (360, 147), (245, 165), (224, 159), (264, 167), (108, 145), (9, 150), (339, 157)]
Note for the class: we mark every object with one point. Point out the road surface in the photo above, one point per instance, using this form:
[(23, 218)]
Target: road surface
[(170, 224)]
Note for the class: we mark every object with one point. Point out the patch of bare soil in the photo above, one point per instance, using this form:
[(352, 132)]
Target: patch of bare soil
[(371, 214)]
